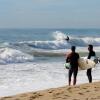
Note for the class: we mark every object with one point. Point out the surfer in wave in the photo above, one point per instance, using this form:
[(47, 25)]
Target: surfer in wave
[(67, 38)]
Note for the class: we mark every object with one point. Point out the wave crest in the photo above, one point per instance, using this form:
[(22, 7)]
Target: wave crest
[(59, 35), (8, 55)]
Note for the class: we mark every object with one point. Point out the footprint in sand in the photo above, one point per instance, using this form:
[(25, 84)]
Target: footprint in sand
[(57, 95), (96, 87), (80, 93), (67, 95), (50, 91), (87, 91), (84, 88), (69, 89), (35, 95)]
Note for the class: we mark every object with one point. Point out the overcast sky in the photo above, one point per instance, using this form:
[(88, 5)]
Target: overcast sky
[(49, 13)]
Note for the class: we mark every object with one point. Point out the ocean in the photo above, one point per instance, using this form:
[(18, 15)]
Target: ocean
[(33, 59)]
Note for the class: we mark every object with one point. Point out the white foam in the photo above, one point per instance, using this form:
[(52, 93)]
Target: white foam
[(25, 77), (58, 43), (58, 35), (8, 55), (63, 44)]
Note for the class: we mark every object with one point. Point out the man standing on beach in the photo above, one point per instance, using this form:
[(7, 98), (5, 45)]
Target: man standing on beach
[(72, 58), (91, 54)]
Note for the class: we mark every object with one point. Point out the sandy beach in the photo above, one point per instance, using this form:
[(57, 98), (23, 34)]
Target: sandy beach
[(78, 92)]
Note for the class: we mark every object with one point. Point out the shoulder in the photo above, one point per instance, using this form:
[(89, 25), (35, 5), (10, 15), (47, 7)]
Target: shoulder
[(92, 53), (77, 53), (69, 55)]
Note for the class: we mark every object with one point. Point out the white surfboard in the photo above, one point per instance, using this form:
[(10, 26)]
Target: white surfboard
[(86, 64)]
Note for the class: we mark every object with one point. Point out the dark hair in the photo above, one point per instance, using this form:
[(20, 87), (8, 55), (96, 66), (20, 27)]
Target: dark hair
[(73, 48), (90, 46)]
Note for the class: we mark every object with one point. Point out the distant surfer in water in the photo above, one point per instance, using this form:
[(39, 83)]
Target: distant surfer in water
[(67, 38), (91, 54), (72, 58)]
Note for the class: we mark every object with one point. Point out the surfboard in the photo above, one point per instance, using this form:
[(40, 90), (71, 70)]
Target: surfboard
[(83, 64), (86, 64), (67, 65)]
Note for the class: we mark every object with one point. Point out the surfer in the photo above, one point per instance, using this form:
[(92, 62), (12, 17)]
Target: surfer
[(91, 54), (67, 38), (72, 58)]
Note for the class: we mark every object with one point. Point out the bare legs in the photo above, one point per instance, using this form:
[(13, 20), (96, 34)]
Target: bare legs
[(74, 72)]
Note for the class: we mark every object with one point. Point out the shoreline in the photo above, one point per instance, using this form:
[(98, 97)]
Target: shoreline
[(87, 91)]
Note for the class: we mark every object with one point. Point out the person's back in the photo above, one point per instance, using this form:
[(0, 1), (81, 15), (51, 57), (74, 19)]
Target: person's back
[(72, 58)]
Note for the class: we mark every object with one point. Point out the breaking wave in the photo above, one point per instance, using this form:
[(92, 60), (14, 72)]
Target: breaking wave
[(8, 55)]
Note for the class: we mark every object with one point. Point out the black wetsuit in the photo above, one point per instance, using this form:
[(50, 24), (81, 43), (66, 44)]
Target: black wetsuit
[(91, 53), (73, 59), (67, 39)]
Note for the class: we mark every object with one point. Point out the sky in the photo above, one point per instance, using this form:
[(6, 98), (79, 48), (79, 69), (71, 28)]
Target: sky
[(49, 13)]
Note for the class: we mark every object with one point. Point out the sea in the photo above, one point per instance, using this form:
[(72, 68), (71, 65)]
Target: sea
[(33, 59)]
